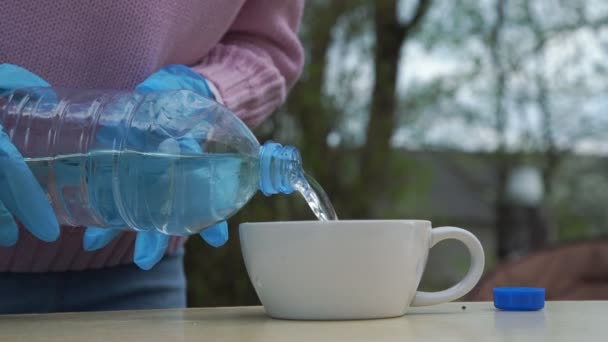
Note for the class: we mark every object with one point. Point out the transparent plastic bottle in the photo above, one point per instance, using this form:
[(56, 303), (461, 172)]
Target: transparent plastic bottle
[(171, 161)]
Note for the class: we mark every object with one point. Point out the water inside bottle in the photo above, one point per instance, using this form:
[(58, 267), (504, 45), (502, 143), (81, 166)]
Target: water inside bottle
[(174, 194)]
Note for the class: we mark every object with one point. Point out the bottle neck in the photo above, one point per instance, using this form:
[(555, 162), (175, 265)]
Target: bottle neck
[(280, 168)]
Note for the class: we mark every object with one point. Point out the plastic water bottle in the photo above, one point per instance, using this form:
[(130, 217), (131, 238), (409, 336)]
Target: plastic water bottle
[(171, 161)]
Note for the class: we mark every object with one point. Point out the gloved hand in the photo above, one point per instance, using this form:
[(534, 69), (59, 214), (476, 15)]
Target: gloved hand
[(150, 246), (20, 192)]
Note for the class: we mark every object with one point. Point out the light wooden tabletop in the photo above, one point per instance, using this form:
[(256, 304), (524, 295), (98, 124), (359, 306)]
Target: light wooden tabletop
[(559, 321)]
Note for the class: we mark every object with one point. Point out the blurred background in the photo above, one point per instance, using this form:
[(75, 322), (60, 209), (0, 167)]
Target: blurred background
[(488, 115)]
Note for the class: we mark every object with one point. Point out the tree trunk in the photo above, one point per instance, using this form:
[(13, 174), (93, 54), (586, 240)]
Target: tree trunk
[(503, 211), (375, 162)]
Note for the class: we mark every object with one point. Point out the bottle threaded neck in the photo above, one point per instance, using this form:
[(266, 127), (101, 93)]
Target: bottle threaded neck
[(279, 168)]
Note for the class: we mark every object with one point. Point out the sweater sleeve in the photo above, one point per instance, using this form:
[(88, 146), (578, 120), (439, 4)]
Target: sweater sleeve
[(258, 60)]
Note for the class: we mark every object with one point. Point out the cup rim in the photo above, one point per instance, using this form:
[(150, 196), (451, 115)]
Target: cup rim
[(333, 222)]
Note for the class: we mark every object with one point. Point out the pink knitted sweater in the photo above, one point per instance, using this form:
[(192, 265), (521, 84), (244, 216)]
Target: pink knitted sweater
[(248, 49)]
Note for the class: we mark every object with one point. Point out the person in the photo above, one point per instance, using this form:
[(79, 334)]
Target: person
[(244, 54)]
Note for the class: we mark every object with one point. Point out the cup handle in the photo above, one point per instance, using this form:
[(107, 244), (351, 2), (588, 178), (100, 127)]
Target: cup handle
[(470, 279)]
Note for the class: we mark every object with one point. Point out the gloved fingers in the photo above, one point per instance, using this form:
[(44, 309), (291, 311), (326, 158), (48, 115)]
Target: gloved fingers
[(14, 77), (216, 235), (150, 246), (22, 195), (96, 238), (184, 107), (190, 145), (173, 77), (9, 233), (20, 189)]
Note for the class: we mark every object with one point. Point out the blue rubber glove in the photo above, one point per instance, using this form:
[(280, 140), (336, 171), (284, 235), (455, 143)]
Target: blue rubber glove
[(20, 192), (150, 246)]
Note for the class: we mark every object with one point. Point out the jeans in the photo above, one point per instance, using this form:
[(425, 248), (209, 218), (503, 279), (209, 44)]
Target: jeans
[(123, 287)]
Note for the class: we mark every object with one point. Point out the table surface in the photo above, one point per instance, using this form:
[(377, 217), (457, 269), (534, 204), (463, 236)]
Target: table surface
[(559, 321)]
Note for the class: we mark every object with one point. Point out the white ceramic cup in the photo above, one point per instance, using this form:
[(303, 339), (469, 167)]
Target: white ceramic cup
[(339, 270)]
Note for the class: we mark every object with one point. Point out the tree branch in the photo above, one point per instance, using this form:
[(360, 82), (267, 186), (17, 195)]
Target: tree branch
[(422, 8), (500, 72), (553, 32)]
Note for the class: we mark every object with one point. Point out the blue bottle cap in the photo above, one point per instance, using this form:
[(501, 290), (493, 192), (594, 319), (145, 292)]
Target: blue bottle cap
[(519, 298)]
